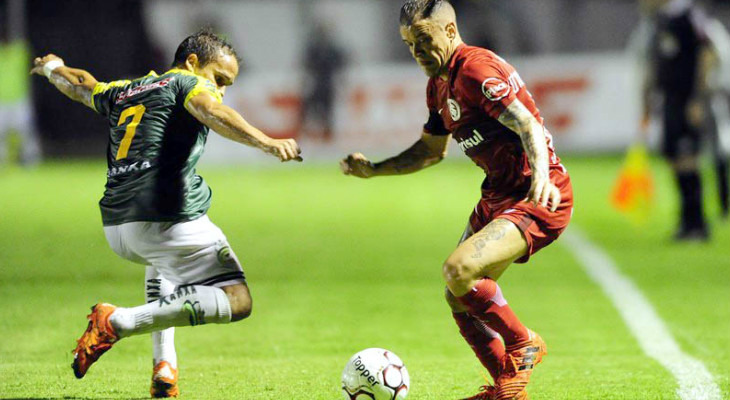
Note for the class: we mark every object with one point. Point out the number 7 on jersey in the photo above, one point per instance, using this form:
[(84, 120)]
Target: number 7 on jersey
[(136, 113)]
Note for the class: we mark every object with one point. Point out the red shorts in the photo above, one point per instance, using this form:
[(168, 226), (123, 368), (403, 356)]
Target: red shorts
[(539, 226)]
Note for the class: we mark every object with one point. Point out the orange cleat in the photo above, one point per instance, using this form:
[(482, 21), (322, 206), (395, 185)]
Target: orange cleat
[(517, 366), (164, 381), (486, 392), (489, 392), (96, 340)]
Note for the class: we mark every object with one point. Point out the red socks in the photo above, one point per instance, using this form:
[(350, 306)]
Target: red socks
[(485, 342), (486, 303)]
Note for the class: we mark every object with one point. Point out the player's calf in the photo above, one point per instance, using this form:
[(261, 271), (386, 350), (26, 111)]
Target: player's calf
[(486, 343), (163, 342), (453, 302), (187, 306)]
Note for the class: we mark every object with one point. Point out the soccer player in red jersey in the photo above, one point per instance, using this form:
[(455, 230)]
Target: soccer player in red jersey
[(526, 203)]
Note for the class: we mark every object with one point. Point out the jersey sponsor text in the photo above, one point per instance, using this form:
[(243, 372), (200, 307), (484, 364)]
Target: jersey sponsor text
[(496, 89), (126, 169), (470, 142), (144, 88)]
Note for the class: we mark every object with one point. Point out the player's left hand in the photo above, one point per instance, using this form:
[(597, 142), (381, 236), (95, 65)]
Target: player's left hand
[(39, 62), (543, 193)]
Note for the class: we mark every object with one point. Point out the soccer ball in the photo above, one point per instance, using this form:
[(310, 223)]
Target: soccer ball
[(375, 374)]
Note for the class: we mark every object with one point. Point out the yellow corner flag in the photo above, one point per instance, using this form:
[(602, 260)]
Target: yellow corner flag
[(633, 192)]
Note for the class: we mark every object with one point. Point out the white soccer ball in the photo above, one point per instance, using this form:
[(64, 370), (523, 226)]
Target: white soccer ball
[(375, 374)]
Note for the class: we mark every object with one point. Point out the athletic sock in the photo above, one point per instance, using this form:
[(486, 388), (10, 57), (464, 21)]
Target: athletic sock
[(189, 305), (163, 342), (690, 188), (485, 342), (486, 303)]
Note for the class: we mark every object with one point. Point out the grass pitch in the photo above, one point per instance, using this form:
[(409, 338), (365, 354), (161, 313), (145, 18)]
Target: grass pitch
[(337, 264)]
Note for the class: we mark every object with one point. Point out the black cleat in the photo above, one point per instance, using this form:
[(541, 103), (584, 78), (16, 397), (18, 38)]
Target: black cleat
[(698, 234)]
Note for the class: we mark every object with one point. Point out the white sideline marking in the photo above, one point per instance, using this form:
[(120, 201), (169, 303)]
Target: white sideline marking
[(695, 381)]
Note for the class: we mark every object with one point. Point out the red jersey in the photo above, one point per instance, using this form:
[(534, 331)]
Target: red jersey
[(480, 86)]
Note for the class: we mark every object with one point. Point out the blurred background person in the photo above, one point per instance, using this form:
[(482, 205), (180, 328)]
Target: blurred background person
[(18, 138), (719, 107), (323, 61), (677, 69)]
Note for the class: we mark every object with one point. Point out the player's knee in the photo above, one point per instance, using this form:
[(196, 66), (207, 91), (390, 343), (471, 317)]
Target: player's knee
[(241, 309), (241, 303), (456, 272)]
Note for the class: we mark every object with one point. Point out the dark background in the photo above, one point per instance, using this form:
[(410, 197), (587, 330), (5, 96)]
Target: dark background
[(109, 38)]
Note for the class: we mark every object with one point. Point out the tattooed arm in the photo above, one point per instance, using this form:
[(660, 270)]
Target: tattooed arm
[(427, 151), (76, 84), (532, 134)]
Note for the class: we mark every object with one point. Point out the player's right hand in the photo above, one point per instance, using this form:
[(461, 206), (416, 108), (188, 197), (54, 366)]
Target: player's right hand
[(357, 164), (285, 149), (543, 193), (39, 62)]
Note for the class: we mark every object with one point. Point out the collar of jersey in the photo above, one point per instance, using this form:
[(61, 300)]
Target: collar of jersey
[(455, 56), (185, 72)]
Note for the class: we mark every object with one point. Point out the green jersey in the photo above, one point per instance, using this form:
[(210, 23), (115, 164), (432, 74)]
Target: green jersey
[(154, 145)]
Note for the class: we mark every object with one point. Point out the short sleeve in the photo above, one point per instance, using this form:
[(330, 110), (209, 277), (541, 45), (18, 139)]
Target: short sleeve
[(435, 124), (487, 86), (194, 85), (103, 93)]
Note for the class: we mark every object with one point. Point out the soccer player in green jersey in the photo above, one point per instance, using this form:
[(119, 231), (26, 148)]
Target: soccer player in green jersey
[(154, 206)]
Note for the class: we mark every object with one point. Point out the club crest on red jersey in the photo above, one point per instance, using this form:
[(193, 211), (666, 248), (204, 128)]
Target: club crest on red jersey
[(454, 109), (495, 89)]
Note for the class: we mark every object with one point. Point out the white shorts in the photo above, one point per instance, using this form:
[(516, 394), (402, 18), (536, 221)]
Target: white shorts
[(185, 253)]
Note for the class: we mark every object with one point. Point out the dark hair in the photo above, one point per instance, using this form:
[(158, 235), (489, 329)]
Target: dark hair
[(206, 45), (416, 10)]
